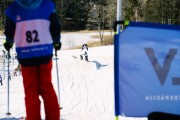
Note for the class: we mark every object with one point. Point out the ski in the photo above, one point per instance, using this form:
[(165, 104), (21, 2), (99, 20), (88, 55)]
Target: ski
[(81, 58), (74, 56)]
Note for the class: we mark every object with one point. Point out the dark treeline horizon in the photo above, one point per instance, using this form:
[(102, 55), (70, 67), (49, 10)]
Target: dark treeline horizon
[(78, 15)]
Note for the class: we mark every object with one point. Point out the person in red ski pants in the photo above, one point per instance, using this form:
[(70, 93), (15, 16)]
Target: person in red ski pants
[(34, 27), (37, 81)]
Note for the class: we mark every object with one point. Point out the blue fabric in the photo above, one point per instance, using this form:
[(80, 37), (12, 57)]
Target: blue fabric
[(29, 4), (147, 77), (116, 74), (14, 11), (34, 51), (20, 14)]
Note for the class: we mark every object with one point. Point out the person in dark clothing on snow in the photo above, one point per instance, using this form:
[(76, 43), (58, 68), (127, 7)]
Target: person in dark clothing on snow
[(34, 27), (84, 52)]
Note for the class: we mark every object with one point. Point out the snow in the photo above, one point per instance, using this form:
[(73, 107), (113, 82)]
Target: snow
[(72, 39), (86, 88)]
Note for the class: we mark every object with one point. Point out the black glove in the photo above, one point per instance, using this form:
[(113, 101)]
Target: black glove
[(7, 46), (57, 46)]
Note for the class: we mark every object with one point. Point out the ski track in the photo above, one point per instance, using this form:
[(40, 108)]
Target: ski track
[(86, 88), (83, 94)]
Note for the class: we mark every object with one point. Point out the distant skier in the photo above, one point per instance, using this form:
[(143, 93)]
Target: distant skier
[(4, 52), (9, 76), (1, 80), (15, 72), (18, 68), (84, 52)]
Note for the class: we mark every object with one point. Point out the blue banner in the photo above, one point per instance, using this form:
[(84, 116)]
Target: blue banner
[(34, 51), (147, 69)]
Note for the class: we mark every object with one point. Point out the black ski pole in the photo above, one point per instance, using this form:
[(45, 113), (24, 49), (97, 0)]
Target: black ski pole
[(8, 87), (57, 77)]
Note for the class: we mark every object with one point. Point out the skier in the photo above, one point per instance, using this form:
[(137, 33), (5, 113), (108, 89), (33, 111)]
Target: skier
[(1, 80), (35, 28), (84, 52), (9, 76), (4, 52), (16, 70)]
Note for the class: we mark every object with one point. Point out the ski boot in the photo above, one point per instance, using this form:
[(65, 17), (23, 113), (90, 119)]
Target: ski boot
[(86, 58)]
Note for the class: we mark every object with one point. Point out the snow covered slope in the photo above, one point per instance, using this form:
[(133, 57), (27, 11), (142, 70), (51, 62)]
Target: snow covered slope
[(86, 88)]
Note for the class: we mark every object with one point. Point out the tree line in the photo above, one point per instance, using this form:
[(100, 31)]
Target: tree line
[(158, 11), (101, 14)]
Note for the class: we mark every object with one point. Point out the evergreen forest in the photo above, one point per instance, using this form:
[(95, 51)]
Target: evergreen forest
[(78, 15)]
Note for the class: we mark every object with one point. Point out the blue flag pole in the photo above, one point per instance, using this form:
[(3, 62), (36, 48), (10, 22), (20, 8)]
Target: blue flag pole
[(116, 69), (116, 73)]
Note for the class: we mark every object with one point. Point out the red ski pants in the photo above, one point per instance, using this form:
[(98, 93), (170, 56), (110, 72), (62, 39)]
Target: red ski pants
[(37, 82)]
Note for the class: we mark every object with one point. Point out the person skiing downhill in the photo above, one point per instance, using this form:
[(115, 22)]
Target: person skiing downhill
[(34, 27), (84, 52)]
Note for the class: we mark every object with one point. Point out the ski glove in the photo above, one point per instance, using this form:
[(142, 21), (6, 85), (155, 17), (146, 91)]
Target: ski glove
[(7, 46), (57, 46)]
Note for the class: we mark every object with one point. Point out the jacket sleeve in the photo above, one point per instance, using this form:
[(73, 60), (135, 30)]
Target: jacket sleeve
[(9, 30), (55, 28)]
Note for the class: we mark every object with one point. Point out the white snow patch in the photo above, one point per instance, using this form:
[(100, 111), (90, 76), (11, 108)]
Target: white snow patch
[(86, 88)]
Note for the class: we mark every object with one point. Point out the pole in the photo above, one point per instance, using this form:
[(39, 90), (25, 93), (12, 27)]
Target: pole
[(4, 64), (57, 77), (119, 10), (116, 55), (8, 87), (119, 13)]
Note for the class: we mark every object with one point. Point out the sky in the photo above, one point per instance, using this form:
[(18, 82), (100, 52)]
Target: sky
[(86, 88)]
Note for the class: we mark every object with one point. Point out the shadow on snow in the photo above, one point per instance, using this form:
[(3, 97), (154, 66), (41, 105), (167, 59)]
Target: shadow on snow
[(98, 65)]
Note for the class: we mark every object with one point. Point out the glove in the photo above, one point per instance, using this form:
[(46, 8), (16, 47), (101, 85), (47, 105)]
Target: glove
[(7, 46), (57, 46)]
